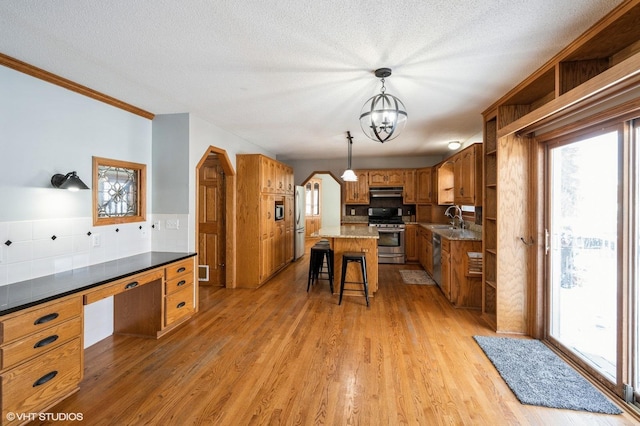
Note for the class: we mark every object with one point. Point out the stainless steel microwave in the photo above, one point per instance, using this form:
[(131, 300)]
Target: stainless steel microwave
[(279, 211)]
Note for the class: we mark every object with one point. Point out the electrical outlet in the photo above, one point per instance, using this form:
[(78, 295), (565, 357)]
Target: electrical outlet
[(172, 224), (156, 225), (95, 240)]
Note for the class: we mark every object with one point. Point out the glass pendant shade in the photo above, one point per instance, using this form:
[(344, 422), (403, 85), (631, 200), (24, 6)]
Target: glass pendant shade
[(349, 176)]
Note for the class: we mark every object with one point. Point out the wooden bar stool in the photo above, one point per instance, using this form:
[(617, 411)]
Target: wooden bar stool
[(319, 253), (360, 258)]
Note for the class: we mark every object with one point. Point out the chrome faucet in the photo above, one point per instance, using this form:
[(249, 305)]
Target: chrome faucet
[(456, 214)]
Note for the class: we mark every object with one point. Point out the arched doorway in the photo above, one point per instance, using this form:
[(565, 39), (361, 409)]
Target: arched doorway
[(324, 201), (215, 219)]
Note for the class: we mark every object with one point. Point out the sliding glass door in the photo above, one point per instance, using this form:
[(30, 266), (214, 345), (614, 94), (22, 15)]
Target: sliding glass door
[(583, 235)]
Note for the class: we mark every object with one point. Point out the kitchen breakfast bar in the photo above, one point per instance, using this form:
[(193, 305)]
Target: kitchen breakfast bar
[(353, 238)]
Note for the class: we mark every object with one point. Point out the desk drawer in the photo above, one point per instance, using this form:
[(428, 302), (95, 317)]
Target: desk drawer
[(122, 285), (178, 305), (178, 283), (180, 268), (37, 343), (42, 381), (35, 319)]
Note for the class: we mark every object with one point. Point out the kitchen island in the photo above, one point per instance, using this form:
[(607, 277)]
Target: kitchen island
[(353, 238)]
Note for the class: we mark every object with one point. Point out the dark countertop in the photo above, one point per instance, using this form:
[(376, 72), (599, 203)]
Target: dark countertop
[(24, 294)]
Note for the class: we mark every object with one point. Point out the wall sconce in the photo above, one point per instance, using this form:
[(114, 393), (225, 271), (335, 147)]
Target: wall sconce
[(453, 145), (70, 181)]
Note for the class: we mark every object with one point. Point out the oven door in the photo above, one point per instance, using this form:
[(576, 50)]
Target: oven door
[(391, 245)]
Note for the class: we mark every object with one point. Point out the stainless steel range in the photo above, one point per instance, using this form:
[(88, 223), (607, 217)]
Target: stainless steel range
[(391, 229)]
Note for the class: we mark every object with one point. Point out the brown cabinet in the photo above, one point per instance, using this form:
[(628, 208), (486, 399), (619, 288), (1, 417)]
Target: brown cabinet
[(467, 171), (41, 355), (266, 243), (411, 242), (386, 177), (179, 296), (424, 179), (425, 249), (357, 192), (444, 182), (461, 287), (409, 193)]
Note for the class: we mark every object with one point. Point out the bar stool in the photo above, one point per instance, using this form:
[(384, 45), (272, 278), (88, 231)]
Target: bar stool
[(360, 258), (320, 253)]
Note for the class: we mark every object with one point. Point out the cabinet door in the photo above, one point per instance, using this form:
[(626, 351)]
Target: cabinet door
[(377, 177), (446, 274), (409, 192), (464, 177), (410, 242), (425, 183), (358, 192), (267, 174)]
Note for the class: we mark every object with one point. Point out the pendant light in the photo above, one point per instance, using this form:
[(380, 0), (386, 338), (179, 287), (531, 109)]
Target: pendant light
[(383, 116), (348, 175)]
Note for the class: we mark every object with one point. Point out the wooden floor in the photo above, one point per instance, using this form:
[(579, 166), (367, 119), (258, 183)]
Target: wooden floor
[(280, 355)]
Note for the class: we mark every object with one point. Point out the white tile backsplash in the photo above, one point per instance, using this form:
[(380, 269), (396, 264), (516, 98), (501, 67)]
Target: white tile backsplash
[(33, 253)]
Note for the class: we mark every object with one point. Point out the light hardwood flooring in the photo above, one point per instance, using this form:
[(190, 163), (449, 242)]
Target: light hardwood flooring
[(280, 355)]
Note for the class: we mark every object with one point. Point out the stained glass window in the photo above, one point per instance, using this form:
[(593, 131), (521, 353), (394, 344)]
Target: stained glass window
[(119, 189)]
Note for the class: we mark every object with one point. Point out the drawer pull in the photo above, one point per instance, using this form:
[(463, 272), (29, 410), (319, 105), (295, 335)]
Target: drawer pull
[(181, 283), (181, 269), (44, 379), (131, 285), (46, 341), (46, 318), (181, 304)]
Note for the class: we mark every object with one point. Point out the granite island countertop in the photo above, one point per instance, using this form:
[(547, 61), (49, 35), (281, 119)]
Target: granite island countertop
[(348, 231)]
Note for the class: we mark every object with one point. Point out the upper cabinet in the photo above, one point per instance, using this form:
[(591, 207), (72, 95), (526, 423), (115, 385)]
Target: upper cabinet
[(444, 181), (424, 177), (357, 192), (386, 177), (467, 176), (409, 193)]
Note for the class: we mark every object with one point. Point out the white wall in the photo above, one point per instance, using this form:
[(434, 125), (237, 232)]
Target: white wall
[(46, 129)]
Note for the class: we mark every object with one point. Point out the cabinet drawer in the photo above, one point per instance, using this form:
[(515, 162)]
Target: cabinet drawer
[(36, 319), (179, 268), (42, 381), (446, 245), (178, 305), (37, 343), (178, 283), (122, 285)]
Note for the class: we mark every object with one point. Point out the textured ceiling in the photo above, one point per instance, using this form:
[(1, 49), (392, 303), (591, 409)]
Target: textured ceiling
[(292, 75)]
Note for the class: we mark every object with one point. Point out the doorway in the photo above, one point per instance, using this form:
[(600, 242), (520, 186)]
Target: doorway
[(584, 222), (323, 198), (215, 219)]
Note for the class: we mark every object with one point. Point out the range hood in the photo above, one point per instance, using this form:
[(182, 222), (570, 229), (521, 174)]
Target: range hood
[(386, 192)]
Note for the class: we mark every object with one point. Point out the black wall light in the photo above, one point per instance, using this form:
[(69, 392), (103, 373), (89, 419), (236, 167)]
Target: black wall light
[(70, 181)]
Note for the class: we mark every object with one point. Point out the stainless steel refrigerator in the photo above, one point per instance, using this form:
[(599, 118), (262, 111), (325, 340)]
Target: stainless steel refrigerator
[(299, 217)]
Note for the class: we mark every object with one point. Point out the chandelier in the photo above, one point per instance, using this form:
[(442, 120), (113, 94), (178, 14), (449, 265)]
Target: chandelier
[(383, 116)]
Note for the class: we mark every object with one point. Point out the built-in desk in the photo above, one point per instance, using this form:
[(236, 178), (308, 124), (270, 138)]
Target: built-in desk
[(353, 238), (41, 322)]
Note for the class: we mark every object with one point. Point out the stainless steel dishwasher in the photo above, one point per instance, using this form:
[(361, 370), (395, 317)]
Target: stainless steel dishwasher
[(437, 252)]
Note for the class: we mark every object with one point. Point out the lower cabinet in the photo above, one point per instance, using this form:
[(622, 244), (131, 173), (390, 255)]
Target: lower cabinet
[(411, 242), (460, 284), (41, 355)]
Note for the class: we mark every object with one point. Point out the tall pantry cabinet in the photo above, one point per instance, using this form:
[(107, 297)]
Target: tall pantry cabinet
[(265, 245)]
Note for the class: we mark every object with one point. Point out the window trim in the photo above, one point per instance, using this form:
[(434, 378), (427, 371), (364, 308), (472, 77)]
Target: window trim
[(141, 207)]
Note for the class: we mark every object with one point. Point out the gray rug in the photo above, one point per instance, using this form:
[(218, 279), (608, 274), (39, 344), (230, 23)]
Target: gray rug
[(416, 276), (537, 376)]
